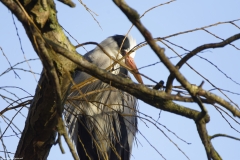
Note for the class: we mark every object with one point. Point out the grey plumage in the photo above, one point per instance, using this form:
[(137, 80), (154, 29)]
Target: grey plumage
[(100, 118)]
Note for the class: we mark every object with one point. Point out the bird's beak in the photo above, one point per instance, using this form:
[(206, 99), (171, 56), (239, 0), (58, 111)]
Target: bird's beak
[(131, 64)]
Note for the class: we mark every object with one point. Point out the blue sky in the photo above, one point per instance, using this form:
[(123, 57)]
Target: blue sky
[(175, 17)]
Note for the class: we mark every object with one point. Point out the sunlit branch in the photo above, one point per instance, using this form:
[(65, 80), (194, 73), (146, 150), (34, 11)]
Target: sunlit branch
[(203, 134), (152, 97)]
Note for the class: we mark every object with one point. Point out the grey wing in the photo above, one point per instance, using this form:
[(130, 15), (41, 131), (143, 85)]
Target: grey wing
[(130, 108), (104, 120)]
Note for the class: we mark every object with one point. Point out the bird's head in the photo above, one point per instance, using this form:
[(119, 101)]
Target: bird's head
[(124, 45), (118, 46)]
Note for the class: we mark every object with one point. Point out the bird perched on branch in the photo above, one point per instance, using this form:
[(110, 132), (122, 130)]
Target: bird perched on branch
[(100, 118)]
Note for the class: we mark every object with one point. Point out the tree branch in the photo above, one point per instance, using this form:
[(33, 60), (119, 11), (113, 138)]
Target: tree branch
[(229, 40), (202, 131), (223, 135), (219, 100), (155, 98), (135, 19)]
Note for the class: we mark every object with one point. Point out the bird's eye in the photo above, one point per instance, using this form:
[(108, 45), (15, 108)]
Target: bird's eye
[(123, 52)]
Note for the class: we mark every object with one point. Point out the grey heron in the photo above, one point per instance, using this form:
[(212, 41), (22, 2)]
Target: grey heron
[(102, 119)]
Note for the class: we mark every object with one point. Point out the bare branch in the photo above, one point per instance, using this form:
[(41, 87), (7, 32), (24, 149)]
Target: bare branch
[(220, 101), (62, 131), (201, 28), (152, 97), (90, 12), (156, 7), (197, 50), (223, 135), (68, 3), (203, 134), (17, 106)]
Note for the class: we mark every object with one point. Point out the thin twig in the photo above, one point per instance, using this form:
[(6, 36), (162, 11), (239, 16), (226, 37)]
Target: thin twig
[(224, 135)]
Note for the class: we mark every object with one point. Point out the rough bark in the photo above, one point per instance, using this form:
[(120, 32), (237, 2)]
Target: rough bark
[(39, 19)]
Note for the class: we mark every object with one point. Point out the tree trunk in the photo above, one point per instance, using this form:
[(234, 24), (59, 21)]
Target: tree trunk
[(39, 19)]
